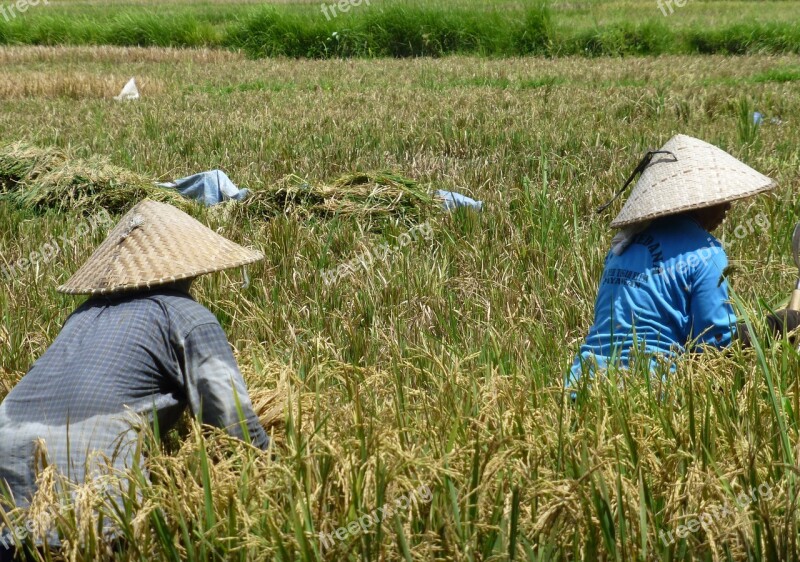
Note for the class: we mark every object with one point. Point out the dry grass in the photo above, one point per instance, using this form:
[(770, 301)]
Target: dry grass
[(23, 85), (10, 55)]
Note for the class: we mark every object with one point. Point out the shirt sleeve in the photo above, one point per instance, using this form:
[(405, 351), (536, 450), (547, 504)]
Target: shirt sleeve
[(213, 384), (712, 320)]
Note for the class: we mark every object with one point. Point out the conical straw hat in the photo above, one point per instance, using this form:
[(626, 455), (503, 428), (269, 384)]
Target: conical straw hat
[(154, 244), (700, 175)]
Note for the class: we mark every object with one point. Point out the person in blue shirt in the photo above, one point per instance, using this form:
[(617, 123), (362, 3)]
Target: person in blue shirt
[(663, 291)]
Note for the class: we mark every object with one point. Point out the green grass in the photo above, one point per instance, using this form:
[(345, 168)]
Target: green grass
[(413, 29), (443, 365)]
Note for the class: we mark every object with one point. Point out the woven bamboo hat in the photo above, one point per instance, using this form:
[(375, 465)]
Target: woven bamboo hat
[(687, 174), (154, 244)]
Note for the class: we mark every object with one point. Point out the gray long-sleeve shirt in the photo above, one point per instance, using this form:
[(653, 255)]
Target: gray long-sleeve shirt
[(115, 363)]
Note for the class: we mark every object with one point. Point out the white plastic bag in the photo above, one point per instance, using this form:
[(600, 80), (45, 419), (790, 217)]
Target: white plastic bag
[(129, 92)]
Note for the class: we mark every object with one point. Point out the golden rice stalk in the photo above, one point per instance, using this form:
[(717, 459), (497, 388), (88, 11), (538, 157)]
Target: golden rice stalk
[(269, 407)]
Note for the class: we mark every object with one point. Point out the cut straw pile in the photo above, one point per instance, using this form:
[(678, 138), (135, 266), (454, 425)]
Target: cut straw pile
[(47, 178), (372, 198)]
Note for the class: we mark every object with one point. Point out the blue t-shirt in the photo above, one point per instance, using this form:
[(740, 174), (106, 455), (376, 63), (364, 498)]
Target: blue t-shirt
[(664, 291)]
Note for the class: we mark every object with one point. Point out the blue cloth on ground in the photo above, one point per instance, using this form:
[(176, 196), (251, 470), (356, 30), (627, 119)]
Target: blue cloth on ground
[(453, 200), (210, 187), (661, 293)]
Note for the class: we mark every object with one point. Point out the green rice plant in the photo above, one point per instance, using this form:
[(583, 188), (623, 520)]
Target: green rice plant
[(648, 38), (272, 33), (154, 30), (52, 30), (746, 124), (537, 34), (414, 29), (773, 37), (394, 31), (783, 74)]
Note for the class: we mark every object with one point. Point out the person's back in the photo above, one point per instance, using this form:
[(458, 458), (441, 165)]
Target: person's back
[(662, 292), (117, 361), (112, 354)]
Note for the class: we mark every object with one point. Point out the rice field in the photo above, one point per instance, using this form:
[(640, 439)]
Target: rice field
[(429, 382)]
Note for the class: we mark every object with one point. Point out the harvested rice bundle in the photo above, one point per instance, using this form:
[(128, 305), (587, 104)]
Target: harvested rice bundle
[(20, 160), (371, 197), (377, 196), (382, 193), (274, 393), (48, 179)]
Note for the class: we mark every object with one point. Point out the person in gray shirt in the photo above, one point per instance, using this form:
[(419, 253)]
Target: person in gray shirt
[(140, 349)]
